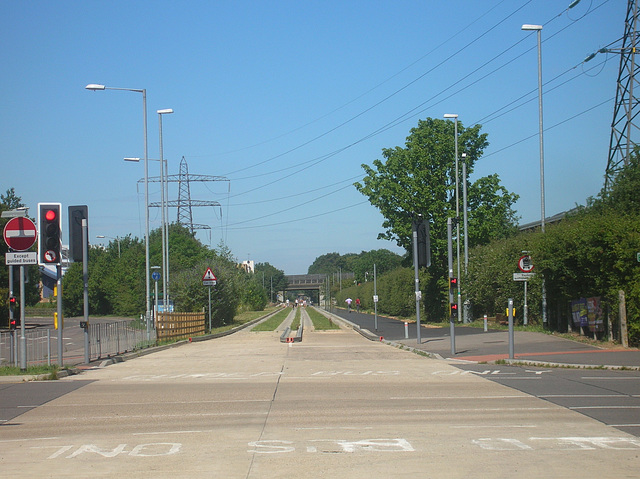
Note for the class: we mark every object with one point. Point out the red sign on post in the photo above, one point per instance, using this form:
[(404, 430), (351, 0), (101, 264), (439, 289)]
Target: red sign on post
[(524, 264), (209, 279), (20, 233)]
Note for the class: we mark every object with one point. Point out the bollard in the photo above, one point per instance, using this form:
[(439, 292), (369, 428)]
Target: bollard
[(406, 330), (485, 323)]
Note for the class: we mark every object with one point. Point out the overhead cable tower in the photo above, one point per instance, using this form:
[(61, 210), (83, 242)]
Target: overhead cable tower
[(184, 202), (627, 106)]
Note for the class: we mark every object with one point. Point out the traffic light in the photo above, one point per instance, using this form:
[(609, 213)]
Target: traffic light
[(454, 309), (76, 215), (453, 283), (13, 323), (50, 238), (421, 227), (12, 308)]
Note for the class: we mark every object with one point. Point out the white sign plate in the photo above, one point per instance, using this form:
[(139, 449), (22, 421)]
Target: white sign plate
[(523, 276), (13, 259)]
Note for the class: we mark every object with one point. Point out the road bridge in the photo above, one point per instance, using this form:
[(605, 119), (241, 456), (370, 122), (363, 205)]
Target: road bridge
[(297, 282)]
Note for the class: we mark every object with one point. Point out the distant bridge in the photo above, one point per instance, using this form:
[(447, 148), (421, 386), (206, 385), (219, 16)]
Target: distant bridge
[(304, 281), (314, 281)]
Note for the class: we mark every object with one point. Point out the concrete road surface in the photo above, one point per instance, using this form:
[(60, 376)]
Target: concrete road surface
[(333, 406)]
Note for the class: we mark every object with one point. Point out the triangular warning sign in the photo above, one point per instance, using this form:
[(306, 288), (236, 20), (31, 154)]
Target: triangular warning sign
[(209, 276)]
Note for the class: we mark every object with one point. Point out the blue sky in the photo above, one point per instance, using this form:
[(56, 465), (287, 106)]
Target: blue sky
[(283, 98)]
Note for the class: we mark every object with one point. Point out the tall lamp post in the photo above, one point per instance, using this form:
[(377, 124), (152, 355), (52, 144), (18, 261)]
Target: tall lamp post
[(165, 262), (538, 29), (454, 116), (96, 87), (165, 216)]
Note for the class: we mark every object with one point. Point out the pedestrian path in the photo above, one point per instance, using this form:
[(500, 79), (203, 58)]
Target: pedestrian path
[(475, 345)]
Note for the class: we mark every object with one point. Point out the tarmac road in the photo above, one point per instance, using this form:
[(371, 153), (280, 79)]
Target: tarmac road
[(334, 405)]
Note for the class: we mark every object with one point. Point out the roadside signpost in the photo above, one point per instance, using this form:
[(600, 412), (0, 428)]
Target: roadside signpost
[(525, 265), (20, 234), (209, 279)]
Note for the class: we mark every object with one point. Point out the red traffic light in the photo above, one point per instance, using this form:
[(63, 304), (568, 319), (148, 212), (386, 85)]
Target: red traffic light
[(50, 215), (453, 282), (12, 300)]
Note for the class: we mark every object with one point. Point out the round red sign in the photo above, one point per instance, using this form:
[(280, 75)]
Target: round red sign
[(20, 233)]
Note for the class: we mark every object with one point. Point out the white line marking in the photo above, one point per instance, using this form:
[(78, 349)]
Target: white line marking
[(483, 409), (471, 426), (420, 398), (582, 396), (30, 439)]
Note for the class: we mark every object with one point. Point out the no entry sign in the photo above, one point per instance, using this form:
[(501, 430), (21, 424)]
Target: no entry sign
[(20, 233)]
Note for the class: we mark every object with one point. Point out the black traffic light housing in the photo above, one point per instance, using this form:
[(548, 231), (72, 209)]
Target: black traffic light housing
[(424, 244), (76, 215), (453, 304), (49, 233), (14, 322)]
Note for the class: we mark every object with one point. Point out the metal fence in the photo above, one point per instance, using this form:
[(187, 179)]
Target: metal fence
[(105, 340), (38, 343), (111, 339)]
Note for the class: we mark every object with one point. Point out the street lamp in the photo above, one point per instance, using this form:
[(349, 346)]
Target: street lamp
[(454, 116), (464, 212), (538, 29), (164, 214), (111, 237), (96, 87), (163, 168)]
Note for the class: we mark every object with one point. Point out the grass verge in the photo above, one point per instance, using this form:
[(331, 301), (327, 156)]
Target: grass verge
[(296, 320), (51, 371), (273, 322), (320, 321)]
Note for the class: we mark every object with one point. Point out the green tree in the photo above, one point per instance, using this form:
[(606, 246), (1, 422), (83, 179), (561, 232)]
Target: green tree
[(420, 179), (624, 192), (274, 279), (362, 264), (327, 264)]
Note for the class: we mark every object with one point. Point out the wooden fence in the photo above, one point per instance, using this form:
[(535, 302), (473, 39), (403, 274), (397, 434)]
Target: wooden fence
[(179, 325)]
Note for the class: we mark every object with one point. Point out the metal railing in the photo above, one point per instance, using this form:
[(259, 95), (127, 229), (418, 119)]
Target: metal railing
[(111, 339), (38, 343), (105, 340)]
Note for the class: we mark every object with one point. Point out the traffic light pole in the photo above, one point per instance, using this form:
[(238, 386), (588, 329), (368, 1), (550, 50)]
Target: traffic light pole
[(416, 278), (10, 294), (13, 359), (23, 338), (59, 305), (85, 281), (452, 326)]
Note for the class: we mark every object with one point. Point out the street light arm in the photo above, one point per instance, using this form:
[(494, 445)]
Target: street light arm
[(96, 87)]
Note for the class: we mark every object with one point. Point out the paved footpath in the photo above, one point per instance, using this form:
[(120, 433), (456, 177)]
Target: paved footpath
[(332, 406), (473, 344)]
